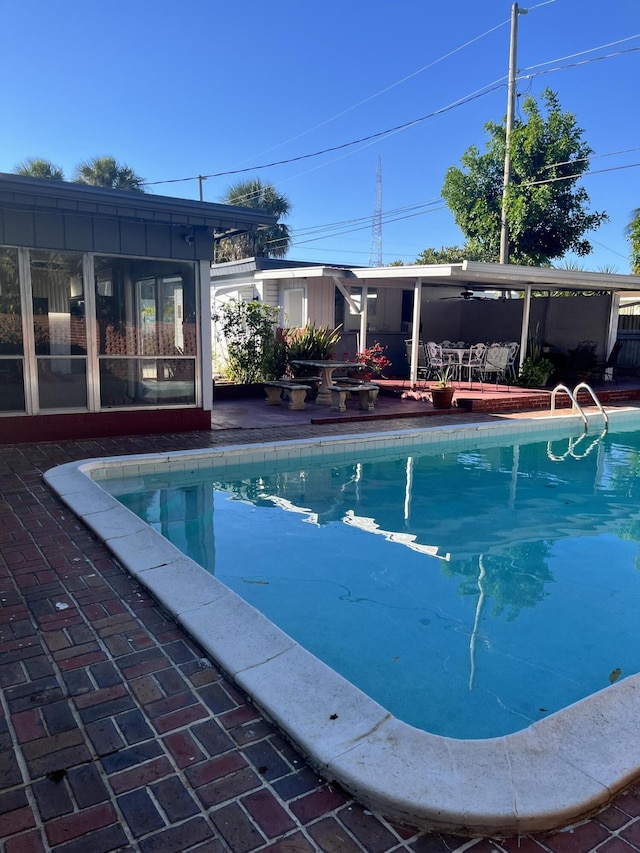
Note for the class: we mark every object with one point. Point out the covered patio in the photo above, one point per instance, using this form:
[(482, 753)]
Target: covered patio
[(468, 301)]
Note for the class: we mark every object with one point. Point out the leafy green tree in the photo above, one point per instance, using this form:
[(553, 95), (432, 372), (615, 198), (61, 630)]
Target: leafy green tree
[(451, 254), (107, 172), (248, 329), (37, 167), (272, 242), (633, 233), (546, 211)]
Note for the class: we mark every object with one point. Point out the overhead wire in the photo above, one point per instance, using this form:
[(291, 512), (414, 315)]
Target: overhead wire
[(460, 102), (485, 90), (385, 89), (581, 52)]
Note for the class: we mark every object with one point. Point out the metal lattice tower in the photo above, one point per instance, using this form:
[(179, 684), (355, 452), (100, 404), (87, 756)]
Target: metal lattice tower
[(375, 253)]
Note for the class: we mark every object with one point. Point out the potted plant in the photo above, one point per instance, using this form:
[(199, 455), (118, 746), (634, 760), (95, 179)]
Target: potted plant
[(442, 392)]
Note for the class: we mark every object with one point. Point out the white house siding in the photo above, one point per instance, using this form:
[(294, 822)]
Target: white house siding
[(271, 293), (321, 302)]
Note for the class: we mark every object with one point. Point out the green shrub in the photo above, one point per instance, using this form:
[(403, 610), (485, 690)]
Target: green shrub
[(535, 372), (249, 333)]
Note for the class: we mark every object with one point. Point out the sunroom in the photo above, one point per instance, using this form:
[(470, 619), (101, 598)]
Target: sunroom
[(103, 294)]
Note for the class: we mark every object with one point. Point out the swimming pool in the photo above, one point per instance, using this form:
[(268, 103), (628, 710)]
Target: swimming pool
[(583, 752), (471, 592)]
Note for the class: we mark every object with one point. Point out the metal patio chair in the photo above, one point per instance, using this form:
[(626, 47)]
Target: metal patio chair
[(496, 362)]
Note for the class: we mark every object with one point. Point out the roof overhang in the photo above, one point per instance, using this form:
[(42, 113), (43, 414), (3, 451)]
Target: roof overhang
[(38, 194), (468, 274), (507, 276)]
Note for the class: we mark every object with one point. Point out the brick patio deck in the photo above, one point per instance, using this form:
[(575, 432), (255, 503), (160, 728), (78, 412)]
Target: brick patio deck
[(117, 734)]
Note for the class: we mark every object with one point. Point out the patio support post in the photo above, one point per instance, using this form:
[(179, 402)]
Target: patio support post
[(363, 319), (612, 333), (524, 334), (204, 364), (415, 332)]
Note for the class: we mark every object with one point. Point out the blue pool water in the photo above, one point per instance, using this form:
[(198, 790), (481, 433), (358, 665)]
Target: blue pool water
[(471, 591)]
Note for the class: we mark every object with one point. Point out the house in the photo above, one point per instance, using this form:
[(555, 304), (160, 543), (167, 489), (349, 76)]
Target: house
[(104, 309), (469, 301)]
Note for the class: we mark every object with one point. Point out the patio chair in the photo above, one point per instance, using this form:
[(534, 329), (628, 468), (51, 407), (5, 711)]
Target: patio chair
[(496, 361), (601, 368), (473, 362), (423, 365), (436, 361), (514, 348), (582, 360)]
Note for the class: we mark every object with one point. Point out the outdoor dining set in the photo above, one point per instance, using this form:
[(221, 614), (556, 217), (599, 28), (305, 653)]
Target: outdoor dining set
[(467, 362)]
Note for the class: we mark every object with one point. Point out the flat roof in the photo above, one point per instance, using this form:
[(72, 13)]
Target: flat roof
[(465, 274), (26, 193)]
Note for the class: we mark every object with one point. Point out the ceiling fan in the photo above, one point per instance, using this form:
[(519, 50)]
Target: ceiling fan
[(467, 295)]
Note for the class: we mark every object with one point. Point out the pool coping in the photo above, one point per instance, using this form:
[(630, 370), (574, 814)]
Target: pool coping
[(558, 771)]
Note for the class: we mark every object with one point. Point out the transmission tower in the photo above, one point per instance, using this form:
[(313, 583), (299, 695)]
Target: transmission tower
[(375, 253)]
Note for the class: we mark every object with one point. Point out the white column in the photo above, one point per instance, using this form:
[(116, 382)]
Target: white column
[(204, 382), (415, 331)]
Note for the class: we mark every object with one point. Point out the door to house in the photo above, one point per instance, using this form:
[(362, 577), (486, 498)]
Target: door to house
[(294, 308)]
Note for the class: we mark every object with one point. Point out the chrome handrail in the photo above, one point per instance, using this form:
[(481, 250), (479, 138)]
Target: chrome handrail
[(589, 389), (575, 405)]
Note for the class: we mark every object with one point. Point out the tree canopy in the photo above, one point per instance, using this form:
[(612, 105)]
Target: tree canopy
[(107, 172), (272, 242), (546, 211), (98, 172), (37, 167), (633, 233), (448, 255)]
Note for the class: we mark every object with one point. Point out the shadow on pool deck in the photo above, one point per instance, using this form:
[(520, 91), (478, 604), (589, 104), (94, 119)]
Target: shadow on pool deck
[(118, 735)]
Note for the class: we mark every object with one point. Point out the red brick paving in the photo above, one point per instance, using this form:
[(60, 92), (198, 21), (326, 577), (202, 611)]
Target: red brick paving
[(117, 734)]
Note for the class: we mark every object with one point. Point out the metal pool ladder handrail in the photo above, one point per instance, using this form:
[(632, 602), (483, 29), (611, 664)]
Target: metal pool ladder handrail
[(574, 401)]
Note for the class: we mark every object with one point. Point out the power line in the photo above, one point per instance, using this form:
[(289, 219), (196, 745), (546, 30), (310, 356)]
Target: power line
[(386, 88), (367, 226), (582, 52), (387, 213), (577, 64), (474, 96), (575, 177)]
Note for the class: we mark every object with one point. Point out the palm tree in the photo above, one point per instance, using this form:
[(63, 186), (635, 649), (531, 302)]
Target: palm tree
[(37, 167), (106, 172), (271, 242)]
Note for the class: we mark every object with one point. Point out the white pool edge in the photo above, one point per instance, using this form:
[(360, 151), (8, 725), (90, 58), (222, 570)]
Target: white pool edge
[(556, 772)]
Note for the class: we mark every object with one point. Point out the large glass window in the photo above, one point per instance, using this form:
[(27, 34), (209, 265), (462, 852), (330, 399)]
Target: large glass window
[(11, 369), (146, 320), (59, 328)]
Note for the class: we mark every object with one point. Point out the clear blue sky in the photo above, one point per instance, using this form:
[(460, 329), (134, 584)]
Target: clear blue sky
[(177, 90)]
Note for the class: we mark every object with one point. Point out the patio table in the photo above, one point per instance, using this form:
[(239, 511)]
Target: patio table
[(326, 368), (459, 353)]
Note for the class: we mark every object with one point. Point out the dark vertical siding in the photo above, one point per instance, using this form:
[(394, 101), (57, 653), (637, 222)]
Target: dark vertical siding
[(18, 228), (78, 233), (75, 232), (49, 231), (106, 236), (134, 239)]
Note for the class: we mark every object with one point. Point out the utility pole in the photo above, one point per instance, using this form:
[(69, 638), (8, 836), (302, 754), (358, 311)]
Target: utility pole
[(511, 104)]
